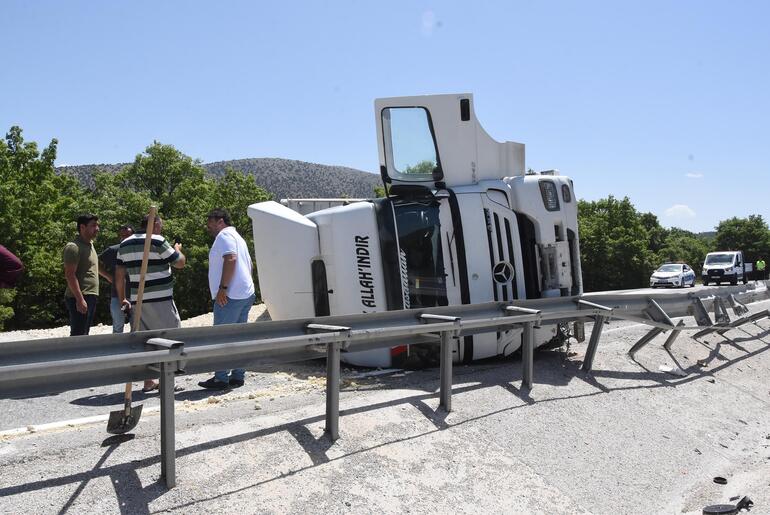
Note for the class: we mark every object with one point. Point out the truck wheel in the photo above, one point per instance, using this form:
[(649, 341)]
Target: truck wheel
[(734, 280), (744, 279), (705, 282)]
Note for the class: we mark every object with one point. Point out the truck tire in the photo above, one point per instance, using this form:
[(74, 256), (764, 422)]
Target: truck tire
[(705, 282), (734, 280)]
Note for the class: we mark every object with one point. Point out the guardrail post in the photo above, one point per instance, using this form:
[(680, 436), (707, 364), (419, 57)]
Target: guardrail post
[(596, 333), (720, 311), (445, 362), (644, 340), (527, 342), (168, 369), (527, 354), (333, 390), (700, 312), (673, 336), (445, 396), (739, 308), (593, 342), (332, 376), (167, 434)]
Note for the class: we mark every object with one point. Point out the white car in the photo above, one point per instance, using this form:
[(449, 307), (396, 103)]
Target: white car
[(673, 274)]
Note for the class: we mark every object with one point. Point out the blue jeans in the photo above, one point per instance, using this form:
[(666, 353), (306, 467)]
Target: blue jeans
[(118, 316), (236, 311)]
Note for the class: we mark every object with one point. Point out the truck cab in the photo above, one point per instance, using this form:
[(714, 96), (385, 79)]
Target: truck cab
[(462, 223), (724, 266)]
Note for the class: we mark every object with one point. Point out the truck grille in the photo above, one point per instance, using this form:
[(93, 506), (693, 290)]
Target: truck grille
[(500, 241)]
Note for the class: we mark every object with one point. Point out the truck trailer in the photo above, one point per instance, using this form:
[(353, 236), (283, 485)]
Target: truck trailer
[(462, 222)]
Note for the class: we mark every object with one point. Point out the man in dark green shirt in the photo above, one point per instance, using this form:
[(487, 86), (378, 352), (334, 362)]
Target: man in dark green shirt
[(81, 271)]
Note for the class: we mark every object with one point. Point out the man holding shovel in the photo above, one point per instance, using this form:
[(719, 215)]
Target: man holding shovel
[(158, 310)]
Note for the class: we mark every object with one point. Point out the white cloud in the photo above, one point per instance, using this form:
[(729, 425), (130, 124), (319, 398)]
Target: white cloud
[(692, 175), (680, 211), (428, 23)]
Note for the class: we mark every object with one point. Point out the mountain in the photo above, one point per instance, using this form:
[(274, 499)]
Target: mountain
[(707, 235), (287, 178), (284, 178)]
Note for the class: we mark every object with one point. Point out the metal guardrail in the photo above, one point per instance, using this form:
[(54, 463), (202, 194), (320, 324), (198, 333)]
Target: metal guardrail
[(37, 367)]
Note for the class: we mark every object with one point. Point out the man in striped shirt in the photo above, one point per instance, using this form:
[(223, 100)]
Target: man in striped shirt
[(158, 308)]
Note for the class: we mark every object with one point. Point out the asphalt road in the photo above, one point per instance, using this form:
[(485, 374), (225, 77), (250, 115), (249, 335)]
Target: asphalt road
[(628, 438)]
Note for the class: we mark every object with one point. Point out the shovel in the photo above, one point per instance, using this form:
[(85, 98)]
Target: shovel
[(124, 420)]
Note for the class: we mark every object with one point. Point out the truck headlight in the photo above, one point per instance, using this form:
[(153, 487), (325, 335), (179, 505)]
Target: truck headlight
[(549, 194)]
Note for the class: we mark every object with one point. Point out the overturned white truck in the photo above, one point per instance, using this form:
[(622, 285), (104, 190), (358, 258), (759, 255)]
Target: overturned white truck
[(463, 222)]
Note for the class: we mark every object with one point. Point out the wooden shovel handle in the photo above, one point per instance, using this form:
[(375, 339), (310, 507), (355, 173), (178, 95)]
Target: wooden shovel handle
[(128, 398), (143, 270), (140, 292)]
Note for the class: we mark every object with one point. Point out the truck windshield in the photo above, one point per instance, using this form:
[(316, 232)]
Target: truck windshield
[(419, 240), (719, 259)]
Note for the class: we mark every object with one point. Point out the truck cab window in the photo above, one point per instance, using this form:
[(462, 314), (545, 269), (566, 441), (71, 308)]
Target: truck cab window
[(409, 143)]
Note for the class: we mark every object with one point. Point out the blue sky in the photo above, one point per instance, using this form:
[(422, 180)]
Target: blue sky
[(667, 102)]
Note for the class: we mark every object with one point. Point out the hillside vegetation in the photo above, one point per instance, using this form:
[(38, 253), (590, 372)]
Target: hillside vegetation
[(283, 178)]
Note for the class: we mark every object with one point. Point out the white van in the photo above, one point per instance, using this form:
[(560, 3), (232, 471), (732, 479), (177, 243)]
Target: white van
[(724, 266)]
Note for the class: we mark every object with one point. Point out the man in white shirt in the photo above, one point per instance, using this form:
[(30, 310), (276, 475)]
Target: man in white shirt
[(231, 286)]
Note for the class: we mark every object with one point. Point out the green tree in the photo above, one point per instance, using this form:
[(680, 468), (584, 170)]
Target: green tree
[(37, 212), (6, 311), (750, 235), (683, 246), (656, 235), (38, 208), (162, 171), (235, 192), (184, 195), (614, 245), (423, 167), (379, 192)]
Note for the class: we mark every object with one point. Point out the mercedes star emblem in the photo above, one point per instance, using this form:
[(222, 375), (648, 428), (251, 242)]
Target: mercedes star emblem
[(502, 272)]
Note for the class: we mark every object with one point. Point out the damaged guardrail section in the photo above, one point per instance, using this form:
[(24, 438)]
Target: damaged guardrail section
[(37, 367)]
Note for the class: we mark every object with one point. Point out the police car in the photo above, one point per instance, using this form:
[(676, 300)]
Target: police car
[(673, 274)]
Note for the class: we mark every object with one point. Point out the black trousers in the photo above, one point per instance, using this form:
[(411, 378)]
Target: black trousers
[(80, 323)]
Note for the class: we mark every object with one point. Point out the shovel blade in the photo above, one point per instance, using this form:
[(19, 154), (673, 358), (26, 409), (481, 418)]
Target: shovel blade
[(119, 423)]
